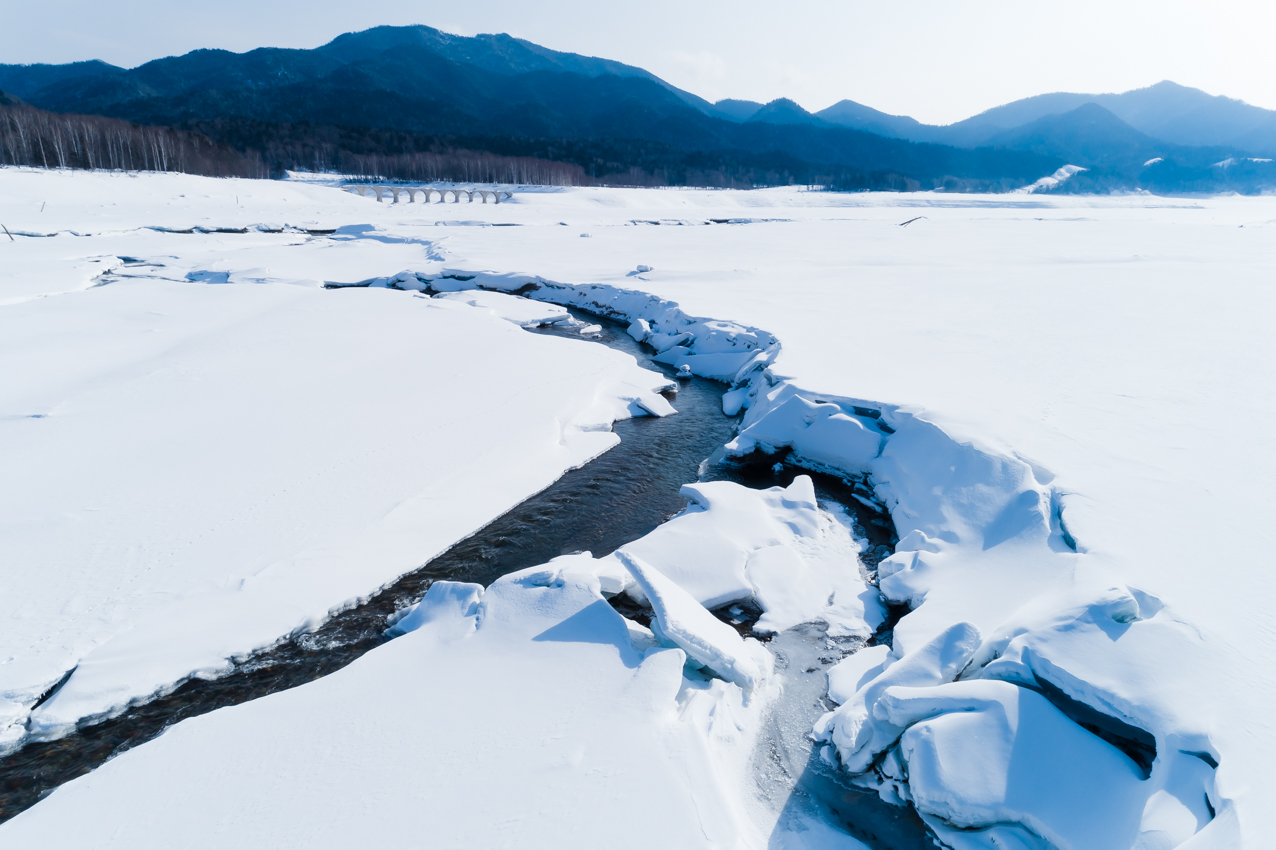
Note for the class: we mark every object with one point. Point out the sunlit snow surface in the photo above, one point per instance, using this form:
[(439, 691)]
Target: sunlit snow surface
[(1064, 402)]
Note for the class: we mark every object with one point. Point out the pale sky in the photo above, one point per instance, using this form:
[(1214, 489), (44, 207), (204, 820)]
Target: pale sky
[(937, 60)]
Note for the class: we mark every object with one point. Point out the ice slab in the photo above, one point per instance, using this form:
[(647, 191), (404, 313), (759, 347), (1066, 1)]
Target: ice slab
[(776, 546), (684, 622), (985, 753), (859, 731), (520, 311)]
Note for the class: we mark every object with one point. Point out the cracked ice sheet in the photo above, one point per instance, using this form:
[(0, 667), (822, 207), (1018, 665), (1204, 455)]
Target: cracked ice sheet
[(1095, 337), (1119, 345), (64, 263), (528, 719), (192, 471)]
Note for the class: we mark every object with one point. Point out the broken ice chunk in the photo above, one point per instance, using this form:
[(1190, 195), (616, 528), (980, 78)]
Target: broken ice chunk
[(821, 433), (444, 599), (860, 731), (685, 623), (733, 400), (853, 672)]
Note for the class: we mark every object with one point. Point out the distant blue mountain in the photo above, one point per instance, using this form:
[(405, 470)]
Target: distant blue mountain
[(1168, 112), (25, 80), (737, 110), (1092, 136), (848, 113), (785, 111)]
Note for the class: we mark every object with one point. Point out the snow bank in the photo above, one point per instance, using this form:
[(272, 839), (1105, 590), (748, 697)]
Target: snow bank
[(454, 601), (853, 672)]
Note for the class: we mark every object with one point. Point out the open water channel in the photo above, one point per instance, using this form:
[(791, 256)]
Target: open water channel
[(612, 500)]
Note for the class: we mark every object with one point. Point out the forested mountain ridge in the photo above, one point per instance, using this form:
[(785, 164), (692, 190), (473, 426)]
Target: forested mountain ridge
[(392, 91)]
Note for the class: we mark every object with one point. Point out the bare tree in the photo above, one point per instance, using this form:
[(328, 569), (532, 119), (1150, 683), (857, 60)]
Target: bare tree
[(30, 136)]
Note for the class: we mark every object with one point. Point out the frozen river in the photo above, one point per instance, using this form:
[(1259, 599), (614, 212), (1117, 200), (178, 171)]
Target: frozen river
[(209, 451)]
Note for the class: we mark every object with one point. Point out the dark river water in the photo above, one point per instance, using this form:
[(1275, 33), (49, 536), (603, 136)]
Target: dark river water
[(612, 500)]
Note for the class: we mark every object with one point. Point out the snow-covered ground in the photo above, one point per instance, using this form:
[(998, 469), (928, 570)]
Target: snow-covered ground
[(1064, 401)]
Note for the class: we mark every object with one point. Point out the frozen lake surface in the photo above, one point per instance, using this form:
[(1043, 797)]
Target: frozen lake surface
[(1045, 392)]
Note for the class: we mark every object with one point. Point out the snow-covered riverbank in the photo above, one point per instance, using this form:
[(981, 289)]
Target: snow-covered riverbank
[(1068, 389)]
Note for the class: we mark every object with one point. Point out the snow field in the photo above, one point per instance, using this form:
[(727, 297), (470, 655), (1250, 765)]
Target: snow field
[(1038, 388)]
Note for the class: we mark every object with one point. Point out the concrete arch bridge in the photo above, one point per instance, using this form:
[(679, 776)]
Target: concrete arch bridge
[(453, 195)]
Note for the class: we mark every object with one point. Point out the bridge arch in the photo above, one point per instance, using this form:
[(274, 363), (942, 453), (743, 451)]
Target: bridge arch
[(407, 194)]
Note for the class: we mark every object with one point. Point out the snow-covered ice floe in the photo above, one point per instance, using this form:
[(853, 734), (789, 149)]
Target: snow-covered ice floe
[(1035, 388)]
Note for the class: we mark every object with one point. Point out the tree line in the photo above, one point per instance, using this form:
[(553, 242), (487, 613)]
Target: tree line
[(34, 137)]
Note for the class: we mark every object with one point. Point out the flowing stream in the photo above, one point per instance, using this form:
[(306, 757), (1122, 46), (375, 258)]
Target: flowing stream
[(614, 499)]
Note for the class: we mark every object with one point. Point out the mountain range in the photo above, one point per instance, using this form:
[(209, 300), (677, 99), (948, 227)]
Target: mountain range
[(1167, 112), (398, 89)]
